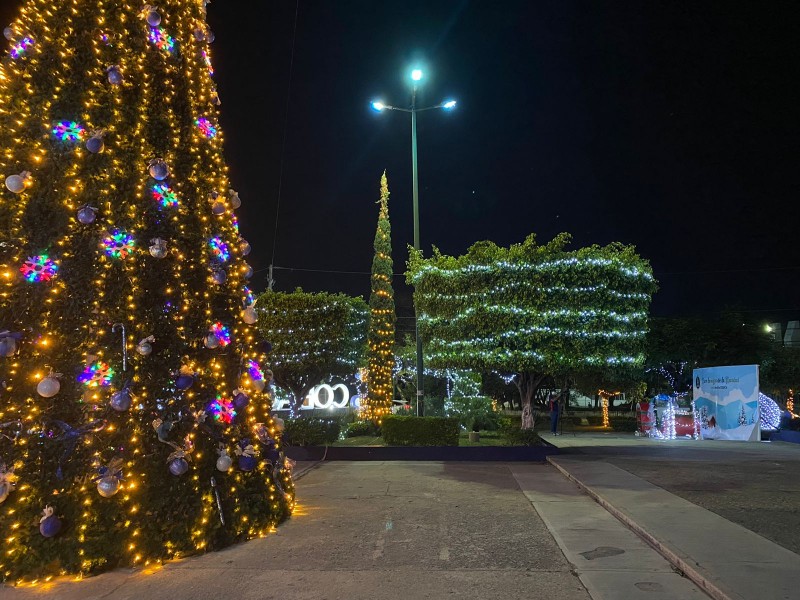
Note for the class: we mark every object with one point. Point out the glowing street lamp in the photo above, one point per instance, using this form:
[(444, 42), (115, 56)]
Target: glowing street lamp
[(379, 106)]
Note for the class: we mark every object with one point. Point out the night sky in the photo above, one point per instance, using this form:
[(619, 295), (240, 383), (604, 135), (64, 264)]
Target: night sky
[(672, 126)]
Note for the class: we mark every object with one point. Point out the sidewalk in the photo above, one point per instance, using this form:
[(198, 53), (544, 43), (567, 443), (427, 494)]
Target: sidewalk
[(725, 559)]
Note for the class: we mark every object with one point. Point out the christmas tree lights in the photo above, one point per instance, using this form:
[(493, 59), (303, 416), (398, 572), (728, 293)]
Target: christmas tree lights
[(100, 66), (380, 349)]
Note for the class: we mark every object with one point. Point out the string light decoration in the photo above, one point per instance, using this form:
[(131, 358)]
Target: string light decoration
[(790, 401), (39, 268), (219, 249), (118, 244), (207, 61), (770, 413), (69, 131), (604, 396), (97, 374), (165, 195), (382, 317), (533, 310), (206, 128), (154, 515)]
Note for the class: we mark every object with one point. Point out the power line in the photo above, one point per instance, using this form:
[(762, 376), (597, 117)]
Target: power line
[(285, 131)]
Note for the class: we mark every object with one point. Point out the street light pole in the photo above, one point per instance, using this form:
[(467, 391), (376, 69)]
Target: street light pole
[(415, 193), (416, 76)]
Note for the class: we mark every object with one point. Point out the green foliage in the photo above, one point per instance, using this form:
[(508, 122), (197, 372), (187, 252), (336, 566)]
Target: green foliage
[(361, 428), (514, 435), (420, 431), (311, 431), (313, 336), (471, 411)]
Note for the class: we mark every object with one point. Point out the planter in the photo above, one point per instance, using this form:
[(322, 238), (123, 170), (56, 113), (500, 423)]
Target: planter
[(474, 437)]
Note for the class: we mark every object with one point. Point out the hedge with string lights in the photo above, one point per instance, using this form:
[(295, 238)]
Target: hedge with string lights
[(532, 311), (134, 413), (315, 336)]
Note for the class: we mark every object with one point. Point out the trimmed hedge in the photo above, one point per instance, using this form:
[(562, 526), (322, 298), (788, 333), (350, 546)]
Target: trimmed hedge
[(420, 431), (358, 428), (311, 432)]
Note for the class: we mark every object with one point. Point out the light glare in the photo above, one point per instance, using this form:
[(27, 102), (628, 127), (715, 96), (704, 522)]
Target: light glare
[(416, 74)]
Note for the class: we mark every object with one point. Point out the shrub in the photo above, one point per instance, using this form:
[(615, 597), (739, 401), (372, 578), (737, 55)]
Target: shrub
[(357, 428), (516, 436), (311, 432), (622, 423), (420, 431), (595, 420), (434, 407), (471, 411)]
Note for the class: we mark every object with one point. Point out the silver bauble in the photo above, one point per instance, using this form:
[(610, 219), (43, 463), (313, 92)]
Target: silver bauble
[(8, 32), (144, 348), (218, 276), (108, 486), (8, 346), (249, 315), (114, 75), (211, 341), (248, 272), (259, 384), (224, 463), (178, 466), (5, 490), (15, 183), (48, 387), (95, 144), (210, 37), (86, 214), (158, 169), (199, 34), (244, 246), (218, 208), (158, 248), (153, 18), (236, 202), (279, 424), (121, 400)]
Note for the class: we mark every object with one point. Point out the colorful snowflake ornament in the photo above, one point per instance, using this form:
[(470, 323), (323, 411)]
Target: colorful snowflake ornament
[(39, 268), (222, 333), (222, 410), (118, 244), (206, 127), (68, 131), (97, 374), (219, 249), (165, 195), (161, 39)]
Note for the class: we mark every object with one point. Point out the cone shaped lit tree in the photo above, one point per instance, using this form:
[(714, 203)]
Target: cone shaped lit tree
[(133, 421), (380, 342)]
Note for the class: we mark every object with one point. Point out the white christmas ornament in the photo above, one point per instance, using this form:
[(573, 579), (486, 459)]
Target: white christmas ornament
[(249, 314), (49, 386), (16, 183)]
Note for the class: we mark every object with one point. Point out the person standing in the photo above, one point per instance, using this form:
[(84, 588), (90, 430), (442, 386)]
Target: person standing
[(554, 408)]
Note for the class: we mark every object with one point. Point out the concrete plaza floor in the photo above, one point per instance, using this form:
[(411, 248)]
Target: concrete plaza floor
[(416, 530)]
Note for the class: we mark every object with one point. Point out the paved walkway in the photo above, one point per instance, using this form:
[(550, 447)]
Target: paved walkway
[(727, 559), (404, 531)]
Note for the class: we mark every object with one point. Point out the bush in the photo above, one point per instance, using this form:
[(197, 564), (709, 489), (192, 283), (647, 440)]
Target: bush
[(434, 407), (358, 428), (420, 431), (516, 436), (595, 420), (311, 432), (472, 412), (622, 423)]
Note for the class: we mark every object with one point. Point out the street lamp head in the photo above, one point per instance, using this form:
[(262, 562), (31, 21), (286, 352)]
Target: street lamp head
[(378, 106), (449, 104), (416, 74)]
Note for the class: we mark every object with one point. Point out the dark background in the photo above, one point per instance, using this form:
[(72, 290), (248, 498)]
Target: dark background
[(669, 125)]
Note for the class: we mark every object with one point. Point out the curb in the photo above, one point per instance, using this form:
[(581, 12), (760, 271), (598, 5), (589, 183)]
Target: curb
[(680, 563)]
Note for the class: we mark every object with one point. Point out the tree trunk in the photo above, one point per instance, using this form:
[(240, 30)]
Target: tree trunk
[(527, 383)]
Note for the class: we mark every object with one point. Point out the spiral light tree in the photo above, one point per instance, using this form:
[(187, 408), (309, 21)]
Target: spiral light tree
[(134, 419)]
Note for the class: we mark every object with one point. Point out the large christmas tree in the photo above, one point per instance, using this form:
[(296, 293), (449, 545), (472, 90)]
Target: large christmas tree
[(381, 318), (134, 423)]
